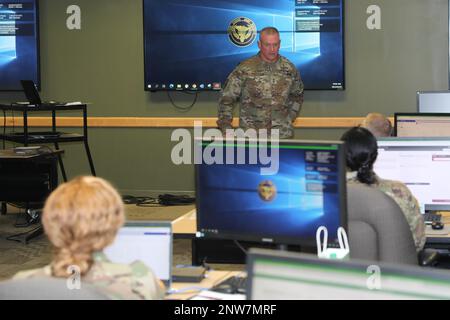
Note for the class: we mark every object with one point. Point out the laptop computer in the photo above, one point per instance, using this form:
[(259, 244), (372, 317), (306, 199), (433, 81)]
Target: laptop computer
[(147, 241), (33, 96)]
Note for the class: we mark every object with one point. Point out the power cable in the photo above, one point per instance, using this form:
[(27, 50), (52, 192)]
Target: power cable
[(183, 109)]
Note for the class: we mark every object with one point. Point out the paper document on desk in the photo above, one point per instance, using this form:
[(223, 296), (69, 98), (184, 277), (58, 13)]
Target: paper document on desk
[(213, 295)]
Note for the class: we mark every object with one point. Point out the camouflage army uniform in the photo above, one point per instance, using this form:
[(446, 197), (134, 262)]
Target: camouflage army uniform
[(405, 200), (116, 281), (270, 94)]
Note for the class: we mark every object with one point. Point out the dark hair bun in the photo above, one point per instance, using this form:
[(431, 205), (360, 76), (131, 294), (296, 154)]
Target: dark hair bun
[(362, 151)]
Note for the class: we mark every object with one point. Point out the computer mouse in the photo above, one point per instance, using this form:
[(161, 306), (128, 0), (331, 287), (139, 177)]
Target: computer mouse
[(437, 225), (224, 288)]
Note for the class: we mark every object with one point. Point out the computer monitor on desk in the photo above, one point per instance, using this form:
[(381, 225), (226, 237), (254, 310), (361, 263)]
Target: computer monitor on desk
[(423, 164), (433, 101), (278, 275), (281, 198), (422, 124)]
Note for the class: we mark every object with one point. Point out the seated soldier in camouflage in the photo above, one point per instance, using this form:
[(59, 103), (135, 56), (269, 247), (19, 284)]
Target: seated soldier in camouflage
[(362, 151), (268, 87), (80, 218)]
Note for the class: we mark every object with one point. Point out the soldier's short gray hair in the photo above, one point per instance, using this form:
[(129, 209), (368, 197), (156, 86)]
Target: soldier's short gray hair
[(378, 124), (269, 30)]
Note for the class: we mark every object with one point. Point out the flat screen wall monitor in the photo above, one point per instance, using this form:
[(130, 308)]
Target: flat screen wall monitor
[(19, 43), (194, 45)]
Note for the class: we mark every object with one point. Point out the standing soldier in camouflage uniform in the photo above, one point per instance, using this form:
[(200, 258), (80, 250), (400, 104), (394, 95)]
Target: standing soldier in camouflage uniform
[(80, 218), (268, 87), (362, 151)]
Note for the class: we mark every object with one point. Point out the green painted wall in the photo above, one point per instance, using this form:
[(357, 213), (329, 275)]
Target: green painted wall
[(103, 64)]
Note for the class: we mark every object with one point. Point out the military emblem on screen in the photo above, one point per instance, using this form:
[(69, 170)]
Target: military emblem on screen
[(267, 190), (242, 31)]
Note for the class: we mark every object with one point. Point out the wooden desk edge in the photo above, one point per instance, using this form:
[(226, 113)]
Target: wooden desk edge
[(186, 225), (212, 278)]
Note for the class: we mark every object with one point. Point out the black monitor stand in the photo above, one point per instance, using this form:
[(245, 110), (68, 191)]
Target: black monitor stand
[(230, 252)]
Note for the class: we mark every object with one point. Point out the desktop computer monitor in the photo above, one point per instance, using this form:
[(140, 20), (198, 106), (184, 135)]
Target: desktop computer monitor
[(281, 275), (423, 164), (433, 101), (422, 124), (282, 198)]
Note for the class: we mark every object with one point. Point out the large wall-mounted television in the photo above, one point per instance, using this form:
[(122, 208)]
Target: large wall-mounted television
[(271, 194), (188, 45), (19, 43)]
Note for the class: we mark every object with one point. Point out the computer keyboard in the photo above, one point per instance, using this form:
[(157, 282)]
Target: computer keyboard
[(430, 217), (232, 285)]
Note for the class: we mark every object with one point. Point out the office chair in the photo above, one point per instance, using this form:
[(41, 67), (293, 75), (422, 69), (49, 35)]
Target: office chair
[(377, 227), (43, 288)]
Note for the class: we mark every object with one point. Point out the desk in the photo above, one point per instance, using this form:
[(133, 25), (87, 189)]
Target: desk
[(212, 250), (212, 278), (27, 137), (186, 227)]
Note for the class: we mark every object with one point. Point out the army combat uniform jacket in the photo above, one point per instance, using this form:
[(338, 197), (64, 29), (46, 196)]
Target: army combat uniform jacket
[(270, 95), (405, 200), (117, 281)]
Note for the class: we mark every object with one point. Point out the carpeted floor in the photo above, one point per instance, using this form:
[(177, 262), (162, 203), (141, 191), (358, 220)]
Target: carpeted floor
[(17, 256)]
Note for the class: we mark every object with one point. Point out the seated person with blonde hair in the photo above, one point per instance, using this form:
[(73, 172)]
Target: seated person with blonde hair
[(81, 218), (378, 124)]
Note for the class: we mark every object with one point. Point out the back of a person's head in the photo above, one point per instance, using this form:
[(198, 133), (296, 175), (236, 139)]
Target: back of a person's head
[(378, 124), (361, 153), (81, 217)]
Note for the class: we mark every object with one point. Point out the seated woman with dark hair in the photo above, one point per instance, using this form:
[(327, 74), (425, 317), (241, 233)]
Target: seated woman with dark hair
[(362, 151), (81, 218)]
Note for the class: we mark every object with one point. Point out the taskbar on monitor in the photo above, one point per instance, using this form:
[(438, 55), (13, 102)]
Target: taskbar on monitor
[(183, 86)]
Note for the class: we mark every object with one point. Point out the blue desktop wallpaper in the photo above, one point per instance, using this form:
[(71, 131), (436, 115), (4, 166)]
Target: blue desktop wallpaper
[(228, 201), (186, 41), (18, 43)]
